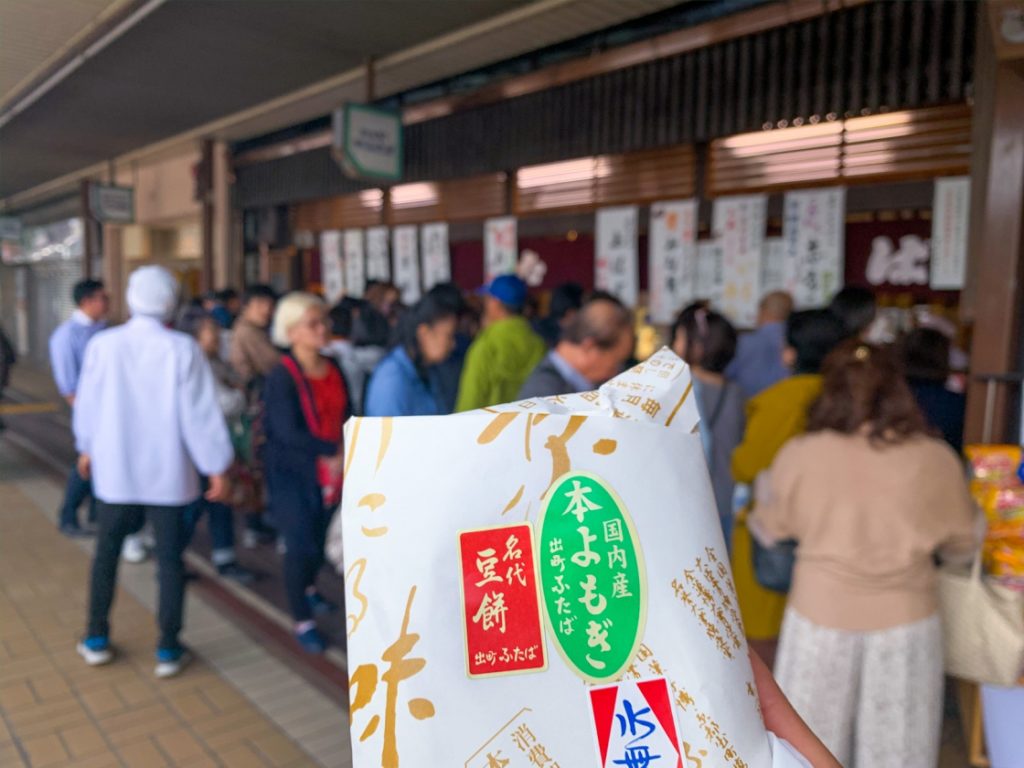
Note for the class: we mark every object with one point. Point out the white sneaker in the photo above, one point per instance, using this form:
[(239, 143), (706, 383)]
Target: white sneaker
[(133, 550), (169, 664), (147, 537), (97, 655)]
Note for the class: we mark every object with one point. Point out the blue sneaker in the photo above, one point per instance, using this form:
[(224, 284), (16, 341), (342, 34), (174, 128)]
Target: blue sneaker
[(96, 651), (311, 641), (170, 661), (319, 605)]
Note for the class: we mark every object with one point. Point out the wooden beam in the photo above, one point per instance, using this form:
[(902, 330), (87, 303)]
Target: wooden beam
[(993, 295), (772, 16)]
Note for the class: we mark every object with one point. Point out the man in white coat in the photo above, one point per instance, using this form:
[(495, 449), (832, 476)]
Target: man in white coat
[(152, 427)]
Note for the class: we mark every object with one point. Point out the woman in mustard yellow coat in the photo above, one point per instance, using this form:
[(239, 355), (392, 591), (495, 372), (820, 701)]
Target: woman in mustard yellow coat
[(773, 417)]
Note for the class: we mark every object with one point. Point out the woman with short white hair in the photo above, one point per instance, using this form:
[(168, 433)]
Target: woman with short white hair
[(306, 403)]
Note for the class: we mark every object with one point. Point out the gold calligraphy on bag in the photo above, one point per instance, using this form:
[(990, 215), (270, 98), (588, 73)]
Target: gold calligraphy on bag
[(365, 681), (713, 606)]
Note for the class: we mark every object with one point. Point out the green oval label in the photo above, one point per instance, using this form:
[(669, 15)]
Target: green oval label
[(592, 576)]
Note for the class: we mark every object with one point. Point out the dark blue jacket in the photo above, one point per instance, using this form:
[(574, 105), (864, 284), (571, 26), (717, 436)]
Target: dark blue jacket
[(445, 377), (945, 410), (290, 453)]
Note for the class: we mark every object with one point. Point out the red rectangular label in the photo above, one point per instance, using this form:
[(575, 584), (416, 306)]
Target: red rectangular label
[(501, 605)]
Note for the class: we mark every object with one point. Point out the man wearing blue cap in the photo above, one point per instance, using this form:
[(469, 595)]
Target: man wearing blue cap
[(504, 353)]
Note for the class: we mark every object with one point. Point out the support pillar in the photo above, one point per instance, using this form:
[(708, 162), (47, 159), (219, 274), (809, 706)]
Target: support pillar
[(113, 272), (994, 298), (204, 194), (88, 234), (227, 268)]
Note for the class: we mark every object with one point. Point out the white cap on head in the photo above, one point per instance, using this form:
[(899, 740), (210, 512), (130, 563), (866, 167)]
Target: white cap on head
[(152, 292)]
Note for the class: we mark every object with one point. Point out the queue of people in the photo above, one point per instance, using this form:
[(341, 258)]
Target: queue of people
[(839, 487), (824, 452)]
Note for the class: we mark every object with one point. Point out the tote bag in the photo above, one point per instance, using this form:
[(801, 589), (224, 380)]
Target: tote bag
[(983, 627)]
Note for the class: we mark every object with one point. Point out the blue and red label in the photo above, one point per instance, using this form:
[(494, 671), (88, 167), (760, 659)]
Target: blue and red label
[(635, 725)]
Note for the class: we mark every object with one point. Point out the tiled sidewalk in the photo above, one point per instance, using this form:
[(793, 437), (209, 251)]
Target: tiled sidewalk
[(236, 705)]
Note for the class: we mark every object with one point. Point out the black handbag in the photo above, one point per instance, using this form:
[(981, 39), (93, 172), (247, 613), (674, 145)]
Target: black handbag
[(773, 566)]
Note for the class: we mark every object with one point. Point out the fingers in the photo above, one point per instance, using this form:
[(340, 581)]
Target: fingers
[(781, 719), (218, 490)]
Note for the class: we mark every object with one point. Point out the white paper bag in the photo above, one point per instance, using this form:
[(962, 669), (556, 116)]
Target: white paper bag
[(544, 583)]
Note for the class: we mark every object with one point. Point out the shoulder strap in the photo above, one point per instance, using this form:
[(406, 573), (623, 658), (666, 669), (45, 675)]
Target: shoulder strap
[(305, 396), (717, 410), (712, 420), (346, 389)]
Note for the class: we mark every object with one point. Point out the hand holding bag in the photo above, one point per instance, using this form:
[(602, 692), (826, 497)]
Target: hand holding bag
[(983, 627)]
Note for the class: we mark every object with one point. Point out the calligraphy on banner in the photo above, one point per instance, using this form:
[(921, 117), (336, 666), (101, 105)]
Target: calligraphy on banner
[(672, 257), (616, 267), (950, 214), (773, 265), (437, 263), (738, 224), (378, 260), (501, 247), (407, 267), (355, 265), (890, 256), (501, 615), (332, 275), (814, 230), (709, 280)]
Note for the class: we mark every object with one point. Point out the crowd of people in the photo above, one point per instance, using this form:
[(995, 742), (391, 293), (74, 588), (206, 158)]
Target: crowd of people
[(835, 469), (832, 458)]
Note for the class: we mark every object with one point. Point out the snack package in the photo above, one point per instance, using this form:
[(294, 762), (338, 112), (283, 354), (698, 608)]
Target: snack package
[(545, 584), (1006, 504), (993, 465), (1003, 551)]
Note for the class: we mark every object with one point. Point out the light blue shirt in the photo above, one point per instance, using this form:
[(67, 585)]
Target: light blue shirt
[(397, 389), (67, 349), (146, 413), (573, 378), (758, 361)]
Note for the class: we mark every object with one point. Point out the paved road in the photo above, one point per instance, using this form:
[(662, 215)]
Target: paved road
[(39, 422)]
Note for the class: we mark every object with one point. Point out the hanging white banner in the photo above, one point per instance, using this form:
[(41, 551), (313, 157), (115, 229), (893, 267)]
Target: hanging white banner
[(378, 260), (773, 265), (814, 230), (950, 215), (437, 260), (355, 266), (672, 258), (738, 224), (616, 269), (332, 275), (501, 247), (407, 266), (709, 280)]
